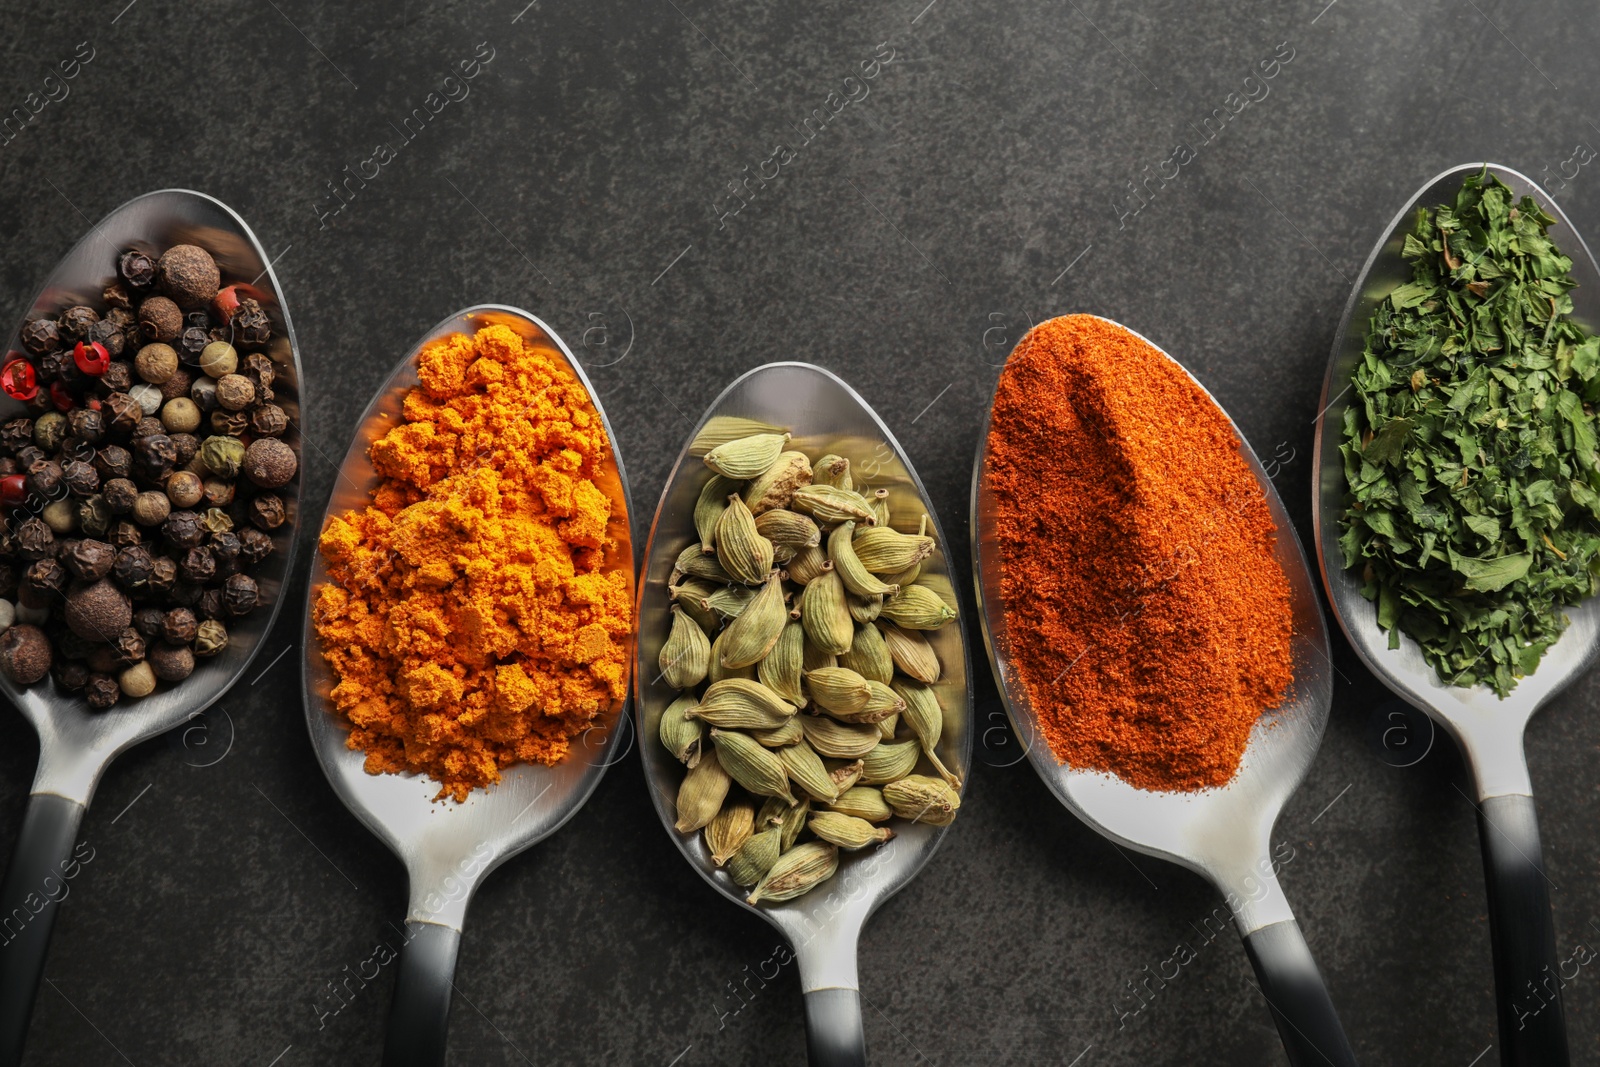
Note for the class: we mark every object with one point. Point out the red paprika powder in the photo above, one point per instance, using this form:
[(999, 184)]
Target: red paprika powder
[(1147, 616)]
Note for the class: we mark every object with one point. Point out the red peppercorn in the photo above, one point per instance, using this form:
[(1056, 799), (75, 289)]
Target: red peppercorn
[(18, 380), (92, 359), (60, 396), (14, 488), (226, 302)]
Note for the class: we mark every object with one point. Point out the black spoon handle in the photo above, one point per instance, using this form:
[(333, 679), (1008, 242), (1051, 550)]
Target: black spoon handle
[(1308, 1025), (833, 1029), (1533, 1028), (36, 884), (419, 1017)]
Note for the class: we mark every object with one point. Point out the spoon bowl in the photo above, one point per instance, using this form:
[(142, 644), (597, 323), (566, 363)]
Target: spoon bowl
[(1489, 729), (447, 847), (825, 415), (75, 743), (1222, 834)]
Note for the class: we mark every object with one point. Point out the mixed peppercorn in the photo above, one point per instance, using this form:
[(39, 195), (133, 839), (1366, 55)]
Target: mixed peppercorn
[(140, 488)]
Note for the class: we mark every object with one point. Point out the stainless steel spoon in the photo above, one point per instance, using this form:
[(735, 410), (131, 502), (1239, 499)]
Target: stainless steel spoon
[(76, 744), (1221, 834), (449, 848), (825, 415), (1488, 729)]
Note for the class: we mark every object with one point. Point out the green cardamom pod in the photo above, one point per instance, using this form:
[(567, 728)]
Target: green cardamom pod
[(911, 652), (806, 770), (837, 689), (923, 799), (691, 596), (696, 562), (742, 704), (939, 585), (845, 776), (868, 655), (771, 813), (814, 658), (864, 609), (796, 873), (824, 615), (716, 672), (888, 762), (708, 509), (729, 600), (686, 653), (879, 503), (857, 579), (808, 563), (752, 766), (725, 428), (841, 740), (794, 820), (779, 736), (756, 856), (882, 702), (757, 628), (833, 470), (681, 735), (729, 830), (887, 727), (830, 505), (743, 552), (926, 719), (701, 793), (917, 607), (847, 831), (864, 802), (883, 550), (780, 670), (747, 457), (789, 532), (905, 577), (774, 488)]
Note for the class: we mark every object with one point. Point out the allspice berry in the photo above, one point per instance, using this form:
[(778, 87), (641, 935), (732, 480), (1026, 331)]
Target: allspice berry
[(137, 681), (180, 415), (269, 462), (160, 319), (185, 489), (218, 358), (235, 392), (155, 363), (189, 275), (24, 654), (151, 509), (170, 663), (177, 385), (98, 612)]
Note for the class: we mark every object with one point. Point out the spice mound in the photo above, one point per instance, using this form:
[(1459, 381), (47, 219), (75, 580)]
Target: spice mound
[(470, 615), (1472, 502), (1148, 619)]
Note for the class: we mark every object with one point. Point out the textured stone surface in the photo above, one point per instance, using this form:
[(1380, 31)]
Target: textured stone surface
[(585, 178)]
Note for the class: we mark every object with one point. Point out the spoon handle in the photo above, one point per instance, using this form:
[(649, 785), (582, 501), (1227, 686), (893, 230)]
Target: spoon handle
[(419, 1017), (1308, 1025), (1533, 1028), (833, 1029), (36, 884)]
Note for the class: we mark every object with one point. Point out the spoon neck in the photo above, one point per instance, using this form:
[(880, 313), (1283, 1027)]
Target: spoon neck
[(1494, 753), (1251, 890), (825, 934)]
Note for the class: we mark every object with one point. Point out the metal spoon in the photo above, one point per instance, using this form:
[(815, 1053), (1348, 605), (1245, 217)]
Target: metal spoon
[(825, 415), (76, 744), (1221, 834), (449, 848), (1488, 729)]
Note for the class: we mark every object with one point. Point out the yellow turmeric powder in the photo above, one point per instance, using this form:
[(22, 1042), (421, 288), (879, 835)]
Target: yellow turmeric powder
[(470, 615)]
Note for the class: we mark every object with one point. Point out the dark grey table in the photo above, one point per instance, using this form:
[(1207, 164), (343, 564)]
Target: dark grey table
[(687, 189)]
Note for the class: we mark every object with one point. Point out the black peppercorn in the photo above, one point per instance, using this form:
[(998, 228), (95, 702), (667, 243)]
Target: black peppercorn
[(94, 516), (186, 594), (44, 478), (118, 377), (229, 423), (107, 335), (212, 605), (218, 492), (171, 663), (183, 529), (148, 621), (163, 575), (71, 675), (87, 424), (43, 579), (101, 691), (90, 560), (137, 269), (250, 324), (116, 296), (258, 368), (192, 341), (187, 445), (155, 455), (132, 566), (225, 545), (268, 420), (75, 321), (127, 648), (178, 626), (125, 535), (27, 455), (121, 412), (267, 511), (113, 461), (147, 426), (35, 540), (239, 594), (254, 546), (81, 478), (8, 581), (16, 434), (197, 564), (40, 336)]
